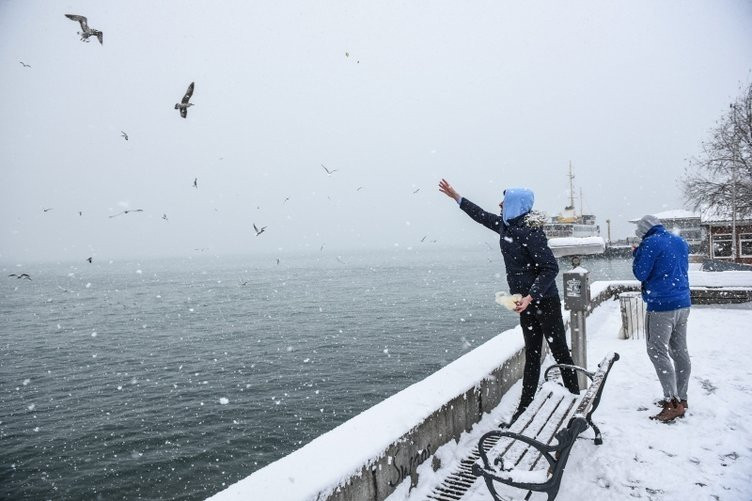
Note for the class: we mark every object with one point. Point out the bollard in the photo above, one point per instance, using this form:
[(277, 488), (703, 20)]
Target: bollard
[(577, 300), (632, 315)]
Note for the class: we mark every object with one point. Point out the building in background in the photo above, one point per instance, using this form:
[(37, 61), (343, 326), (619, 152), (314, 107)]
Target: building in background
[(687, 225), (728, 239)]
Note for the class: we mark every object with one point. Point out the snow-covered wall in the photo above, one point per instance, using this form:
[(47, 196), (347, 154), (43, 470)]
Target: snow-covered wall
[(369, 455)]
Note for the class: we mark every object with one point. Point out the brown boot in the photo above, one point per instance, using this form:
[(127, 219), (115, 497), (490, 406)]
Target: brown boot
[(671, 410), (662, 402)]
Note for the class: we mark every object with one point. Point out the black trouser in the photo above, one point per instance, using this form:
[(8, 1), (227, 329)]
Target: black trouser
[(544, 318)]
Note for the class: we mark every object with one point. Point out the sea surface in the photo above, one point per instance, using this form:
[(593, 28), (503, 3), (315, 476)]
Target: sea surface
[(172, 379)]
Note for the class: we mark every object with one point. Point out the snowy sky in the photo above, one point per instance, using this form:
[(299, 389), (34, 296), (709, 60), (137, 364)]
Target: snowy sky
[(487, 94)]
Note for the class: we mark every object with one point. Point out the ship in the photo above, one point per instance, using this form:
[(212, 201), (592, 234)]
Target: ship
[(571, 233)]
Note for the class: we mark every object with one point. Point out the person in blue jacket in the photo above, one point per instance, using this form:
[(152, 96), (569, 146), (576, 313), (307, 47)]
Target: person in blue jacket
[(531, 271), (661, 262)]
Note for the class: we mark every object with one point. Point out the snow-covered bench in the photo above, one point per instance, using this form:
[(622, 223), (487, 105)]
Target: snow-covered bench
[(513, 456)]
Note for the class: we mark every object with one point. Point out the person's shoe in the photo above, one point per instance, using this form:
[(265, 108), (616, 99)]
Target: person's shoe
[(672, 409), (662, 402), (515, 416)]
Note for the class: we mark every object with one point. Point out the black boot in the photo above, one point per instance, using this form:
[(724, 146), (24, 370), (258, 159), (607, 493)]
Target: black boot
[(515, 416)]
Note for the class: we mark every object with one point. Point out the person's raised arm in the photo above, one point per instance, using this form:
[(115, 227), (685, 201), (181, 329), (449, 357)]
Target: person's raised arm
[(490, 221)]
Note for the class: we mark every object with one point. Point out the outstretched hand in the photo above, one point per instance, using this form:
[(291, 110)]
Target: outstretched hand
[(447, 189)]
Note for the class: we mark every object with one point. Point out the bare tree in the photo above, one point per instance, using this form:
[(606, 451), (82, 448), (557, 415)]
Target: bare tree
[(720, 178)]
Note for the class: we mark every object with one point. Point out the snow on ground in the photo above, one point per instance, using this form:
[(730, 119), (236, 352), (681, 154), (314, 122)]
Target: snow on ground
[(705, 456)]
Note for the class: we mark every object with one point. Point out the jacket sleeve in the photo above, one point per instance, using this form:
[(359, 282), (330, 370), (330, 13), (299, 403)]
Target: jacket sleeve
[(644, 260), (490, 221), (543, 257)]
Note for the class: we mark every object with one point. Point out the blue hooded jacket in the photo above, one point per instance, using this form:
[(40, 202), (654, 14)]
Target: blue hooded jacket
[(530, 265), (661, 263)]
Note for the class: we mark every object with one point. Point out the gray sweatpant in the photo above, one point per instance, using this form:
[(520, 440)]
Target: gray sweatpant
[(666, 333)]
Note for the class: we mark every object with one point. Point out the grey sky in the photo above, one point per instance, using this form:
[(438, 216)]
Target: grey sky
[(487, 94)]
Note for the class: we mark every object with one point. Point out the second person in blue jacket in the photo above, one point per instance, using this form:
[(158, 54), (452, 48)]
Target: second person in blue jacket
[(531, 271)]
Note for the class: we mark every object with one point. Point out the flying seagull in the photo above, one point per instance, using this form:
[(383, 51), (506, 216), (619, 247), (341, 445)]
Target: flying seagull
[(124, 134), (89, 259), (25, 65), (184, 104), (22, 275), (85, 32), (195, 182), (46, 210), (329, 172), (126, 212), (164, 216), (257, 230), (416, 191)]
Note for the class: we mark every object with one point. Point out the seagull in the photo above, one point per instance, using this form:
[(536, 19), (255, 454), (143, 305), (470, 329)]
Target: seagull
[(164, 216), (123, 133), (195, 182), (277, 261), (424, 238), (90, 259), (22, 275), (329, 172), (25, 65), (85, 32), (80, 213), (46, 210), (126, 212), (359, 188), (243, 284), (416, 191), (286, 199), (257, 230), (184, 104)]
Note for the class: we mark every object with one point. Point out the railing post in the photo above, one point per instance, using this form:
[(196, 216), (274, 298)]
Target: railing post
[(577, 300)]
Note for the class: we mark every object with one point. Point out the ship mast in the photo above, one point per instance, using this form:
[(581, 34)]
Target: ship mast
[(571, 189)]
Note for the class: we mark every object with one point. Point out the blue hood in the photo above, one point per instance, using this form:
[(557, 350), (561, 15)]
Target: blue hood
[(517, 201)]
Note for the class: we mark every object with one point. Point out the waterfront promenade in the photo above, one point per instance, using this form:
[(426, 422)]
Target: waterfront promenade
[(705, 456)]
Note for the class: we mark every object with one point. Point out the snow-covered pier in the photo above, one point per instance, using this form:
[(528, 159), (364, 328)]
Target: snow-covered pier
[(403, 447)]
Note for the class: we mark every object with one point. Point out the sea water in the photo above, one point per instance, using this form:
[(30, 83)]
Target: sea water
[(172, 379)]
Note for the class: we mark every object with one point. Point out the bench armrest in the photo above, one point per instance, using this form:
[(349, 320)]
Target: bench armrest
[(544, 449), (568, 366)]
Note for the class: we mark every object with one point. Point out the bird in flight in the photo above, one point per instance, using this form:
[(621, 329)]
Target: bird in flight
[(85, 32), (164, 216), (25, 65), (80, 213), (46, 210), (22, 275), (257, 230), (126, 212), (89, 259), (286, 199), (124, 134), (277, 261), (424, 238), (416, 191), (329, 172), (184, 104), (359, 188), (195, 182)]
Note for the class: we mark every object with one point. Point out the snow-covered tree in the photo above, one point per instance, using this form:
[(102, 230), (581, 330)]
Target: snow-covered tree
[(720, 177)]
